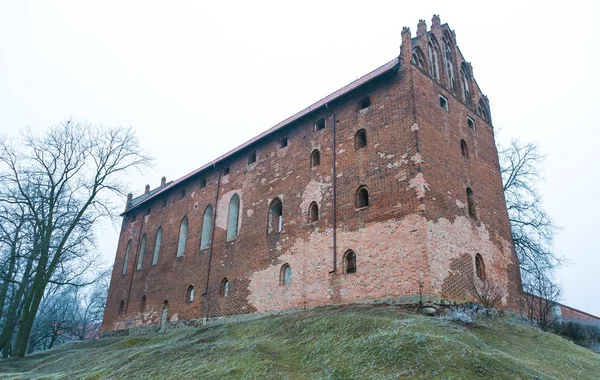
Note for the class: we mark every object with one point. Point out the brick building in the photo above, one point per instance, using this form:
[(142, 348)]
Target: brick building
[(387, 188)]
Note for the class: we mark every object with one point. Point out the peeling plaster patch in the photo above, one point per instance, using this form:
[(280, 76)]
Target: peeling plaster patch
[(460, 204), (249, 212), (415, 127), (225, 179), (417, 159), (339, 175), (223, 209), (174, 318), (418, 183), (193, 195), (390, 156), (313, 192), (263, 181), (392, 165), (341, 151)]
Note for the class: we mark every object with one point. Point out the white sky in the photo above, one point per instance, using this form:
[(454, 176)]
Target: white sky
[(197, 79)]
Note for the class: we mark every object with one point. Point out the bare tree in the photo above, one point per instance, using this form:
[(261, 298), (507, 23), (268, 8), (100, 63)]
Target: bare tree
[(487, 292), (64, 181)]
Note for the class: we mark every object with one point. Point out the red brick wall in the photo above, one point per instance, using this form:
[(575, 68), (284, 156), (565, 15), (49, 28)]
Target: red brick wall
[(415, 236)]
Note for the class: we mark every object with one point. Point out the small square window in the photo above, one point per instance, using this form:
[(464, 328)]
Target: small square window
[(203, 183), (443, 102), (164, 202), (320, 124), (226, 171), (283, 142), (471, 123), (252, 157), (148, 211), (364, 103), (182, 194)]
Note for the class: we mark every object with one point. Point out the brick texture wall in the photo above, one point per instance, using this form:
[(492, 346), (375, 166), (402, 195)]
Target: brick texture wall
[(415, 236)]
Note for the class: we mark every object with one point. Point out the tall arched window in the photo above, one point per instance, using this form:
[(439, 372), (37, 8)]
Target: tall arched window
[(143, 304), (362, 197), (463, 149), (275, 216), (483, 111), (471, 203), (360, 139), (157, 242), (479, 267), (224, 290), (126, 260), (448, 62), (465, 79), (350, 262), (232, 220), (207, 221), (313, 212), (285, 277), (418, 58), (141, 253), (433, 50), (190, 293), (315, 158), (183, 232)]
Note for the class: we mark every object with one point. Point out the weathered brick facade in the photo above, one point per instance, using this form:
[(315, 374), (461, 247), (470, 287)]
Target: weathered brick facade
[(415, 238)]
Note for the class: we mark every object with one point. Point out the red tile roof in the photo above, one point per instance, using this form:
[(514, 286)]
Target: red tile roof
[(391, 65)]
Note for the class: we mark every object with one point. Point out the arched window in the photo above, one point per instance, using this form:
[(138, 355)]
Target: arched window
[(275, 216), (463, 149), (418, 58), (479, 267), (349, 262), (143, 304), (313, 212), (360, 139), (126, 261), (157, 242), (190, 293), (471, 202), (141, 253), (183, 232), (285, 277), (433, 50), (483, 111), (232, 220), (224, 291), (448, 62), (207, 221), (122, 306), (465, 79), (362, 197), (315, 158)]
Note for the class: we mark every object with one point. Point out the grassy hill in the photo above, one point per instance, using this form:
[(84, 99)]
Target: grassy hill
[(361, 342)]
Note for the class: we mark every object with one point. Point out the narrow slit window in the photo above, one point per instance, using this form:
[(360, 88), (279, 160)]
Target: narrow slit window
[(320, 124), (141, 253), (479, 267), (463, 149), (122, 307), (360, 139), (471, 123), (364, 103), (362, 197), (252, 158), (313, 212), (190, 293), (350, 262), (286, 275), (182, 194), (224, 291), (232, 220), (443, 102), (164, 202), (126, 260), (315, 158), (157, 242), (283, 142), (203, 183), (275, 216), (207, 221), (471, 203), (183, 233), (143, 304)]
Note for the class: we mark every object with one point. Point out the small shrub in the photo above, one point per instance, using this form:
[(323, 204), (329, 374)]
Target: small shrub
[(583, 333), (464, 313)]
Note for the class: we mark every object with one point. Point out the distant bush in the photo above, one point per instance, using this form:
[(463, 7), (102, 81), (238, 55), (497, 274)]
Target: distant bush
[(583, 333), (463, 313)]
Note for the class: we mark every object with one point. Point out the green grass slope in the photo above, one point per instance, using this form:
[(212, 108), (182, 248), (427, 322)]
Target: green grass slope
[(360, 342)]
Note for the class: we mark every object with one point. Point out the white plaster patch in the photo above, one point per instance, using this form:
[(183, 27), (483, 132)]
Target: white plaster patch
[(417, 158), (414, 127), (419, 185), (249, 212), (313, 192), (460, 204), (341, 151)]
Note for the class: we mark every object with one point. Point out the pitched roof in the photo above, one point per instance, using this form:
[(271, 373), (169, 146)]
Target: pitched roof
[(391, 65)]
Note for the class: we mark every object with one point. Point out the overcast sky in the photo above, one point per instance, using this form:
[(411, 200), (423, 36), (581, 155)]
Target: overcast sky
[(196, 80)]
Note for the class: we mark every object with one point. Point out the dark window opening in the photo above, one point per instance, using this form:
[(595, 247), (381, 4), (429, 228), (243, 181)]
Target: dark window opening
[(470, 123), (315, 158), (283, 142), (319, 124), (203, 183), (360, 139), (285, 275), (182, 194), (443, 102), (148, 211), (350, 262), (275, 216), (471, 203), (479, 267), (252, 158), (164, 202), (463, 149), (190, 293), (134, 217), (224, 291), (122, 307), (143, 304), (313, 213), (362, 197), (364, 103), (226, 171)]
